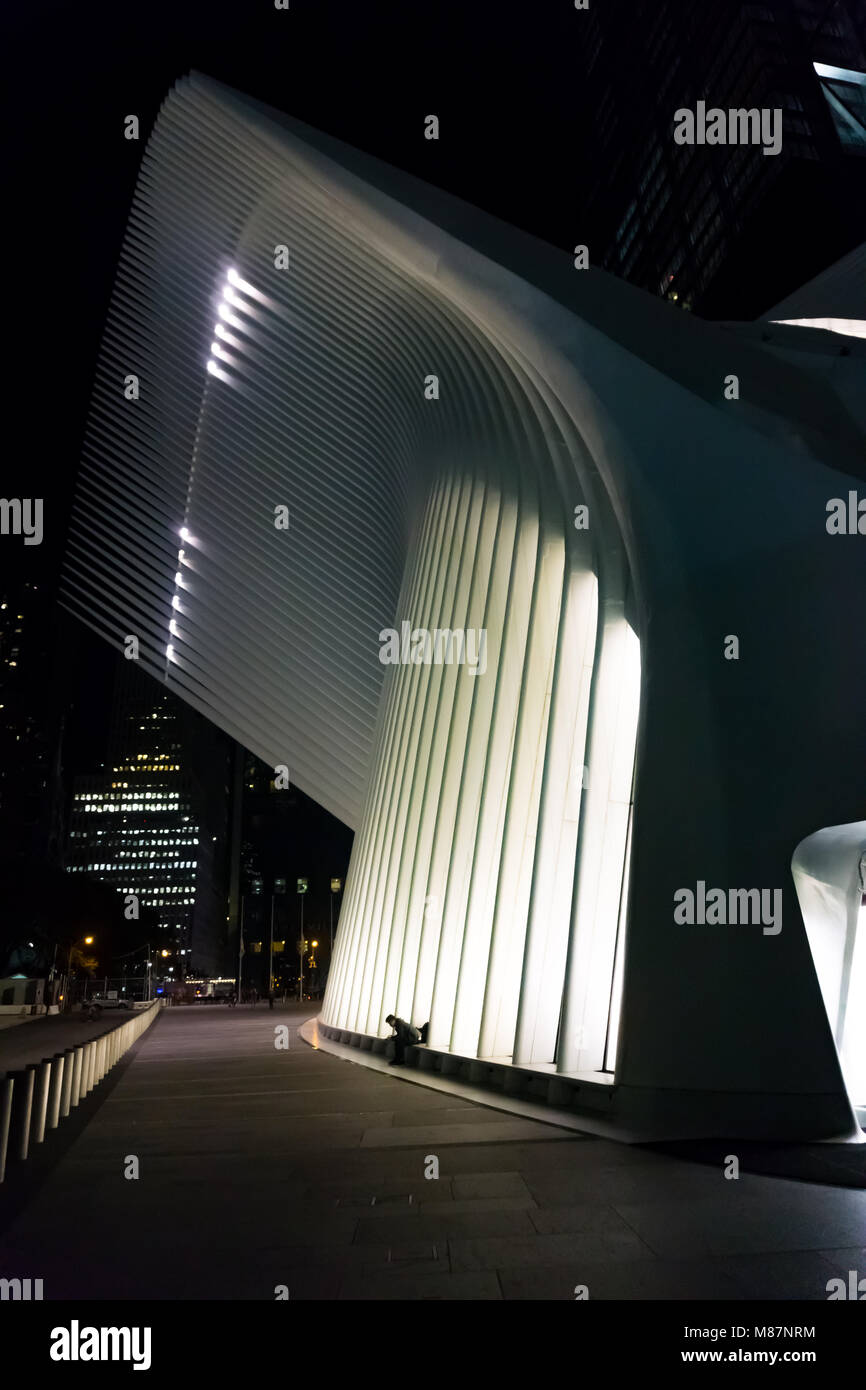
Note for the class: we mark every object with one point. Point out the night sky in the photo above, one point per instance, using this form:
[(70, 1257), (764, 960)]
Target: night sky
[(497, 76), (366, 73)]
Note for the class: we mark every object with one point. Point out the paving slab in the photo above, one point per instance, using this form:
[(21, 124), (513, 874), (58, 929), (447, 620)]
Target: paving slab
[(476, 1287), (439, 1224), (490, 1185), (615, 1280), (729, 1224), (504, 1252)]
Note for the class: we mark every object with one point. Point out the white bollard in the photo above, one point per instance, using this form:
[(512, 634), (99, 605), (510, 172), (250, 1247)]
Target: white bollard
[(58, 1067), (23, 1113), (40, 1110), (8, 1086), (66, 1097), (77, 1076)]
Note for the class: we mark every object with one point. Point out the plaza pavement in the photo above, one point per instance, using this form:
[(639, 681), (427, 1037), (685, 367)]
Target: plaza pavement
[(261, 1167)]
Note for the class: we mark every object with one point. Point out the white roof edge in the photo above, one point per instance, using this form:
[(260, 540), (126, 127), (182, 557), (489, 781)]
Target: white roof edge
[(839, 292)]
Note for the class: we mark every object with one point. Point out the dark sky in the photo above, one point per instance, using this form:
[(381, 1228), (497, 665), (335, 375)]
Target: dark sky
[(368, 73), (497, 75)]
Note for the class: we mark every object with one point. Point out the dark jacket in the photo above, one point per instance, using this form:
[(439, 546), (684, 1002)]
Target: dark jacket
[(405, 1032)]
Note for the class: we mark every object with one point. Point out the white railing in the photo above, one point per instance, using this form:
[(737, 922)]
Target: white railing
[(42, 1094)]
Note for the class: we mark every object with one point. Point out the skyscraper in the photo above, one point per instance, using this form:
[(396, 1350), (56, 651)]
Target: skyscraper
[(154, 824), (30, 729), (725, 229)]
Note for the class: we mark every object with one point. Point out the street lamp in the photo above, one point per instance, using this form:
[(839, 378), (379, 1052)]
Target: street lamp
[(279, 887), (86, 941), (336, 885), (303, 885)]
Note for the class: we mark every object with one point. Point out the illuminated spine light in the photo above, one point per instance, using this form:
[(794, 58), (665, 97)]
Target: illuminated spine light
[(463, 432)]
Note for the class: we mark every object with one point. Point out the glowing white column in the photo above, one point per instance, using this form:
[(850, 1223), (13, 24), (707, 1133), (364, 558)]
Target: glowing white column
[(602, 841)]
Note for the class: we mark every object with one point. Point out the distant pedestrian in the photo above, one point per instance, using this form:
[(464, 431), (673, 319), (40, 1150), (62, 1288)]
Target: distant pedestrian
[(270, 998), (404, 1036)]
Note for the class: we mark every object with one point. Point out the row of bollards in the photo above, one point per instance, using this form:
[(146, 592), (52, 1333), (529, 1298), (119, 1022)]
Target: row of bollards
[(42, 1094)]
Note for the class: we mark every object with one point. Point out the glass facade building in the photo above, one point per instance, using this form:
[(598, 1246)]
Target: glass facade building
[(718, 229), (148, 827)]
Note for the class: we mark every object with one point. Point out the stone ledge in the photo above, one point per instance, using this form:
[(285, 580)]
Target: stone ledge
[(521, 1083)]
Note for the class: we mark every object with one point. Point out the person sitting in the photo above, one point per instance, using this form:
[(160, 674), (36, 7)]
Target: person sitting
[(404, 1036)]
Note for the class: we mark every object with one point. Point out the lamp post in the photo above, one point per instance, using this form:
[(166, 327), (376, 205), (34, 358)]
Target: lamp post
[(241, 948), (86, 941), (279, 887), (303, 885), (336, 885), (271, 950)]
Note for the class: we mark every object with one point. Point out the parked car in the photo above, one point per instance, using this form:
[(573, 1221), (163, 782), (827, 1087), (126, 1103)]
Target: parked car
[(105, 1001)]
